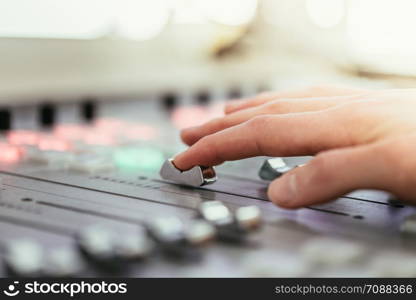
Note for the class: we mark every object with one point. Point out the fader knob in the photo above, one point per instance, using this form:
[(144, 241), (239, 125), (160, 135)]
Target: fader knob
[(132, 247), (170, 234), (216, 213), (64, 262), (200, 232), (248, 217), (24, 258), (274, 167), (408, 225), (97, 244)]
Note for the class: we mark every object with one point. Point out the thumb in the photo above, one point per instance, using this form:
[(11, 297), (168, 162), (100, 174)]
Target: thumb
[(334, 173)]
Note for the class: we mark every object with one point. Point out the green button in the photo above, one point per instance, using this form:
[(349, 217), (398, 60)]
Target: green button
[(138, 159)]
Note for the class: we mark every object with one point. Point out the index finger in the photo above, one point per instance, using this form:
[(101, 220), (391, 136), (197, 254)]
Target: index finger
[(271, 135)]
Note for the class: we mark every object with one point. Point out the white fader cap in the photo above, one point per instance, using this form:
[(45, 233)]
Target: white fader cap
[(197, 176)]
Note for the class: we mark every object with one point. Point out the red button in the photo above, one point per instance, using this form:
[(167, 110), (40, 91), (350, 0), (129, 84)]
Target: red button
[(184, 117), (110, 124), (23, 137), (139, 132), (70, 131), (9, 153), (54, 144), (99, 138)]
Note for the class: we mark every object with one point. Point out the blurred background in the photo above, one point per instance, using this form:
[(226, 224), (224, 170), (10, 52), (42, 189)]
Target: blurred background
[(60, 49)]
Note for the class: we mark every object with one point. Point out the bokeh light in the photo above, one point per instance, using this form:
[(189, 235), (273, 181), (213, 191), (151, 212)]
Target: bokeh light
[(326, 13), (141, 19), (138, 158)]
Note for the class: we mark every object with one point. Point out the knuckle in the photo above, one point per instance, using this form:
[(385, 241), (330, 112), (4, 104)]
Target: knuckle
[(258, 122), (204, 142), (354, 115), (206, 147), (218, 123)]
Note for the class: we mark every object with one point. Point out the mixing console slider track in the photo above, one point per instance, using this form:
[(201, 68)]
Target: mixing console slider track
[(197, 176)]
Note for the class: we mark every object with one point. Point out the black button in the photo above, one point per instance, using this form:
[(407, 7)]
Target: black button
[(262, 88), (47, 115), (235, 93), (169, 100), (203, 97), (5, 119), (88, 109)]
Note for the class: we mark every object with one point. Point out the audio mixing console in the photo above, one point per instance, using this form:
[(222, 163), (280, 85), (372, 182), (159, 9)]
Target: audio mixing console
[(81, 195)]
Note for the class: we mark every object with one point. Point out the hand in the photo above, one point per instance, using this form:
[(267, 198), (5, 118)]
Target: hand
[(361, 139)]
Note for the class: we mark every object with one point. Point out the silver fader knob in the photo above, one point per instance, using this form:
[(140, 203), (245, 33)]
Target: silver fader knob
[(231, 227), (170, 235), (409, 225), (197, 176), (171, 230), (97, 245), (111, 251), (166, 230), (134, 247), (64, 262), (24, 258), (216, 213), (200, 233), (274, 167), (248, 217)]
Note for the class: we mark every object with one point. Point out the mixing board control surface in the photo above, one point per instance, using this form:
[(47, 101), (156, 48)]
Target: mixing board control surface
[(87, 199)]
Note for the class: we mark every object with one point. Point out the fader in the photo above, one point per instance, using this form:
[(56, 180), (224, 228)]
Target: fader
[(197, 176), (275, 167)]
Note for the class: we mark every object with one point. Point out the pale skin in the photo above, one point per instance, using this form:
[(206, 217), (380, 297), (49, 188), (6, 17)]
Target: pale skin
[(359, 138)]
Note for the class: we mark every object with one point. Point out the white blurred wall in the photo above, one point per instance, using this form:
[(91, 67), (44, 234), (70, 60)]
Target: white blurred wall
[(68, 49)]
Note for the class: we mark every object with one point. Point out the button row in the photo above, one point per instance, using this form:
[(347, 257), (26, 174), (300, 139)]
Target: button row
[(91, 161)]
